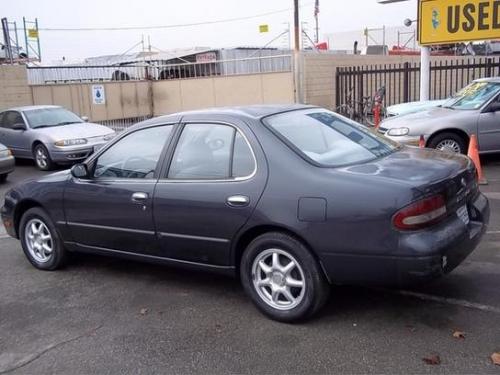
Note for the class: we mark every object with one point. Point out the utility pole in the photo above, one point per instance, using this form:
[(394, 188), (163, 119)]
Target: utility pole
[(296, 52), (316, 18), (296, 24)]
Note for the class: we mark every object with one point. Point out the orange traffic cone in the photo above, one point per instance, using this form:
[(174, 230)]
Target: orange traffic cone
[(421, 142), (473, 153)]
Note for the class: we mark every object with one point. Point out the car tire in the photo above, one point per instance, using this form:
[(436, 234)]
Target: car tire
[(450, 142), (283, 291), (3, 177), (40, 240), (42, 158)]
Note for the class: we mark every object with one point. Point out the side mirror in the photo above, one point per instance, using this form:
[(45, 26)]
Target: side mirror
[(19, 126), (494, 107), (79, 171), (85, 118)]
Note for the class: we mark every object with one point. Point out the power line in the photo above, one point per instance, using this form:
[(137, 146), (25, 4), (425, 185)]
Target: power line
[(227, 20)]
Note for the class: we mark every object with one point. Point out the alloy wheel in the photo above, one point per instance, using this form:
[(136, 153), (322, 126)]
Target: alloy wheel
[(449, 145), (41, 157), (39, 240), (278, 279)]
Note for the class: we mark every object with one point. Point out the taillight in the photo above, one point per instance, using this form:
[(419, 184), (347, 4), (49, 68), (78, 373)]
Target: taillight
[(421, 214)]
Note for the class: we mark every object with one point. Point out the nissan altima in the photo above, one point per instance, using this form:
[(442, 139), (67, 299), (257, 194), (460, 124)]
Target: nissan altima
[(290, 198)]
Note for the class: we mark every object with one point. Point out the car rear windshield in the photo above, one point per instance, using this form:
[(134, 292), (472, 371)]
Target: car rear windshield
[(45, 117), (328, 139)]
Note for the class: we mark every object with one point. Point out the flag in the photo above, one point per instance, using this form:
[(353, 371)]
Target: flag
[(316, 8)]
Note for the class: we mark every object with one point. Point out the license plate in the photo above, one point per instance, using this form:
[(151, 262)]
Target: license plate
[(463, 214)]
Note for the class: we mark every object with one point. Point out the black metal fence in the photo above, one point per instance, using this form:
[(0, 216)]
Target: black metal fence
[(402, 81)]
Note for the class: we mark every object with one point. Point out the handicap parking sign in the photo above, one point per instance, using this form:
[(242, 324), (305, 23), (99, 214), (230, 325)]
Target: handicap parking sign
[(98, 94)]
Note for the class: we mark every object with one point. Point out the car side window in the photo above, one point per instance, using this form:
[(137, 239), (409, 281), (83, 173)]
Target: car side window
[(243, 159), (10, 118), (211, 152), (134, 156)]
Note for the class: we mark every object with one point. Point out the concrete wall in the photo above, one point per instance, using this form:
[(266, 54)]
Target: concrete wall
[(14, 89), (318, 74), (123, 99), (144, 98), (179, 95)]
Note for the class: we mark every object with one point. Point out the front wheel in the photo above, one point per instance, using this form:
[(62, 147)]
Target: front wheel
[(448, 142), (40, 241), (42, 158), (282, 278)]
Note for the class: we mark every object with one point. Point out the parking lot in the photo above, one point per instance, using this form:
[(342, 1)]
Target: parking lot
[(103, 315)]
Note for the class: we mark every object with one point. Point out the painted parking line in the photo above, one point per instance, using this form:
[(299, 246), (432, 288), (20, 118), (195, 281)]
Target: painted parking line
[(4, 236), (493, 232), (449, 301)]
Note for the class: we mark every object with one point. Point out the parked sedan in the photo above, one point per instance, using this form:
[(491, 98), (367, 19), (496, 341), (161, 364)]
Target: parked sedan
[(50, 135), (290, 198), (7, 162), (474, 110)]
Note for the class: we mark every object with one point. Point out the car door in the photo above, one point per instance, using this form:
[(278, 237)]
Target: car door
[(113, 208), (15, 139), (489, 128), (216, 175)]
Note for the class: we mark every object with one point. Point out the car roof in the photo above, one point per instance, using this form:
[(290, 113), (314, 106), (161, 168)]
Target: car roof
[(488, 79), (249, 111), (31, 108)]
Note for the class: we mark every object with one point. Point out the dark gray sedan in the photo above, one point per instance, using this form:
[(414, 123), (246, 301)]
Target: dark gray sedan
[(290, 198)]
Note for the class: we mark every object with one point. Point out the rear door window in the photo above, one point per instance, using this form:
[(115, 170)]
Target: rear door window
[(211, 152)]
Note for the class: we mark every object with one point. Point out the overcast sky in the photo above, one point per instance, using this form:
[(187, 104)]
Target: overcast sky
[(335, 16)]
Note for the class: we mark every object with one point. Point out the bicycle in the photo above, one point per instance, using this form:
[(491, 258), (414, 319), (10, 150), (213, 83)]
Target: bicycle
[(368, 104)]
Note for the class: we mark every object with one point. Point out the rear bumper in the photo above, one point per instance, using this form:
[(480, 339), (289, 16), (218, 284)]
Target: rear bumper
[(431, 253), (7, 165)]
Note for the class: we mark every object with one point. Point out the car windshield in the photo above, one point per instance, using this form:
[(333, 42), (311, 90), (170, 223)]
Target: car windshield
[(329, 139), (46, 117), (473, 96)]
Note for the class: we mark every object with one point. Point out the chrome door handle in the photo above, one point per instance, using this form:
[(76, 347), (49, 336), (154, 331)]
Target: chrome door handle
[(139, 197), (238, 201)]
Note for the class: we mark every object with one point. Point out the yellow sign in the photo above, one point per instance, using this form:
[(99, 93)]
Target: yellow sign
[(33, 33), (264, 28), (453, 21)]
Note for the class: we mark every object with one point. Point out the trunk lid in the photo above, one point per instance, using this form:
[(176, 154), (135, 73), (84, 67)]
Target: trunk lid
[(428, 171)]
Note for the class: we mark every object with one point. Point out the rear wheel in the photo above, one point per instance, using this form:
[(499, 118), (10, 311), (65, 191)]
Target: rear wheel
[(449, 142), (42, 158), (40, 241), (282, 278)]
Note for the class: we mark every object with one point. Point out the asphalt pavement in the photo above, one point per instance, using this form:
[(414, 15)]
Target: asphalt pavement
[(107, 316)]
